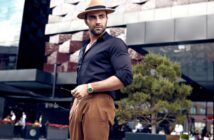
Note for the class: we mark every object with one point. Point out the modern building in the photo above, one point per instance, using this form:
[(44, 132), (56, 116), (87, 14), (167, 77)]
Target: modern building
[(22, 50), (43, 59)]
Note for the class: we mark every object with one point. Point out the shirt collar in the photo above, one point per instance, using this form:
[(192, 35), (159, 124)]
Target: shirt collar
[(103, 37)]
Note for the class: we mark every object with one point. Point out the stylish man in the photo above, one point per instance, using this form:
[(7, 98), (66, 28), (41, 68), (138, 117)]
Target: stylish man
[(104, 66)]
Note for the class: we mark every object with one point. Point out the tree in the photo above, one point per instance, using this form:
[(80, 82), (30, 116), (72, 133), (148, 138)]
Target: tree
[(155, 94)]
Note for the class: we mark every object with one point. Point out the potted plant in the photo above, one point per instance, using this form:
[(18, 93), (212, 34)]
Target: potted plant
[(184, 137)]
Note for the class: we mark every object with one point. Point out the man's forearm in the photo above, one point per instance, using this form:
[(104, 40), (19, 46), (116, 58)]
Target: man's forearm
[(109, 84)]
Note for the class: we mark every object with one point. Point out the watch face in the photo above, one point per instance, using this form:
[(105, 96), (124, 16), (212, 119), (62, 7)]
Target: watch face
[(90, 90)]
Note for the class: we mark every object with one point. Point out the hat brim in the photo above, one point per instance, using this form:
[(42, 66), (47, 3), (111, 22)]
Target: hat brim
[(82, 14)]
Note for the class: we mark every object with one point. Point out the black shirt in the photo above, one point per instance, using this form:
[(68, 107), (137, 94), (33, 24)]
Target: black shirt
[(108, 56)]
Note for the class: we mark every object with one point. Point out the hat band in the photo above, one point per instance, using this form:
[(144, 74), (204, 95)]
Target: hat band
[(95, 7)]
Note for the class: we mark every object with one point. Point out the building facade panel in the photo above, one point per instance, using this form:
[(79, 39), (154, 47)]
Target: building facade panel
[(210, 29), (136, 33), (192, 28), (155, 34)]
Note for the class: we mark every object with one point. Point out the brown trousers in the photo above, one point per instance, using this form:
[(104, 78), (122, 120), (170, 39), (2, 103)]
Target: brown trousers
[(92, 118)]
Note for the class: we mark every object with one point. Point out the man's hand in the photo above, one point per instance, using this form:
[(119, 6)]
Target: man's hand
[(80, 91)]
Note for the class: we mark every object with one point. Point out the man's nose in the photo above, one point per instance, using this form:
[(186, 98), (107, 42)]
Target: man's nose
[(98, 20)]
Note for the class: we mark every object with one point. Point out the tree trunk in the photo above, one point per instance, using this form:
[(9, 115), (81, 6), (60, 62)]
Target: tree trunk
[(153, 123)]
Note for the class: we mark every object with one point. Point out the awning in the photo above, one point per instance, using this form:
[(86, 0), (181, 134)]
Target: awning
[(35, 84)]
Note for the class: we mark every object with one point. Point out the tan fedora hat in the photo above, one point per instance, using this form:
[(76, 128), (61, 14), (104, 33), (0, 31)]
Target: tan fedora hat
[(95, 5)]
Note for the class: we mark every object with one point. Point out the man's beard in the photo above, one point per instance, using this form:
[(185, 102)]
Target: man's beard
[(97, 33)]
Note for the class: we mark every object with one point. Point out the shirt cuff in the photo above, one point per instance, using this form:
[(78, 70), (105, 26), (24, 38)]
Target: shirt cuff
[(124, 76)]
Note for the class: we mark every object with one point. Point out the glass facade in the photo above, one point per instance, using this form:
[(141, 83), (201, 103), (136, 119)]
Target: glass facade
[(197, 63), (202, 108), (7, 61), (22, 25), (193, 110), (10, 21), (32, 39), (196, 60), (10, 28)]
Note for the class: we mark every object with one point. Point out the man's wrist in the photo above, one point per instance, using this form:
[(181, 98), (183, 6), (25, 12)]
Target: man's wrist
[(90, 88)]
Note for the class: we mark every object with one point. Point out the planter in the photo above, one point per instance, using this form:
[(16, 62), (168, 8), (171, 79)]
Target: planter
[(143, 136), (54, 133), (32, 132), (6, 130), (172, 137)]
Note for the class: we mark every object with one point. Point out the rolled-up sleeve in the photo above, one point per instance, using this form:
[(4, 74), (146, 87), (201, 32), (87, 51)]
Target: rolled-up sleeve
[(121, 61)]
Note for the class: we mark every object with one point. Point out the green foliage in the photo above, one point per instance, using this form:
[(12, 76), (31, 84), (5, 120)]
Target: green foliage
[(184, 136), (155, 90)]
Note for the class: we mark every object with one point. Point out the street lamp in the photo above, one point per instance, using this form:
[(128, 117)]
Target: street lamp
[(54, 80)]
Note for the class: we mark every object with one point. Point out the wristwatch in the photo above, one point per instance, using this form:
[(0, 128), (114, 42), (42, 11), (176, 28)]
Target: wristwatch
[(90, 89)]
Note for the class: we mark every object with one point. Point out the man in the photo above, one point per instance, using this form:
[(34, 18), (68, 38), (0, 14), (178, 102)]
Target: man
[(104, 66), (12, 115)]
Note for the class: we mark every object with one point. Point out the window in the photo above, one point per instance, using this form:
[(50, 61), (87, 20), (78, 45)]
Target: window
[(202, 111), (193, 110)]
